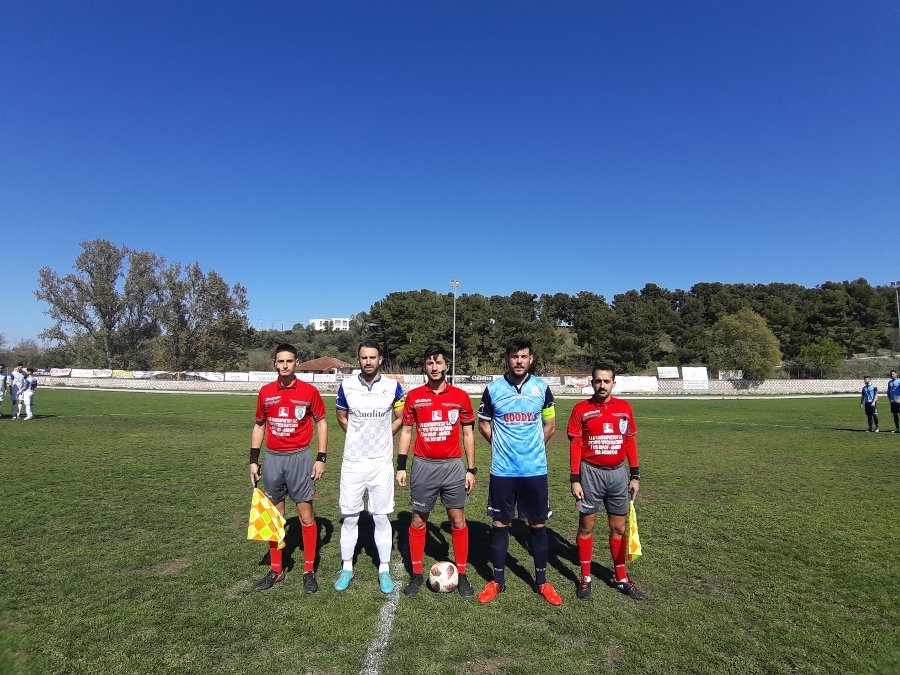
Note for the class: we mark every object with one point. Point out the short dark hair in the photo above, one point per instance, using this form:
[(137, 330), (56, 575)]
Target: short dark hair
[(603, 365), (370, 344), (867, 377), (435, 350), (517, 345), (285, 347)]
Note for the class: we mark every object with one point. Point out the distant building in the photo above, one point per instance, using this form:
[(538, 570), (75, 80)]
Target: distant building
[(324, 364), (339, 323)]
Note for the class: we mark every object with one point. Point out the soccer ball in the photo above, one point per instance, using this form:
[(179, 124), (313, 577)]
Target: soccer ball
[(443, 577)]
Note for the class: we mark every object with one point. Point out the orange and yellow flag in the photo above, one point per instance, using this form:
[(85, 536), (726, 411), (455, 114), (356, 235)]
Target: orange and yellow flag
[(266, 523), (634, 540)]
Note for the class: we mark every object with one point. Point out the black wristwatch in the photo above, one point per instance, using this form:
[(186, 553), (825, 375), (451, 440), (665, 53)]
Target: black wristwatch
[(473, 470)]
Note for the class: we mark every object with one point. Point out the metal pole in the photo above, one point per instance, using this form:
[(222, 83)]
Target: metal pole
[(896, 287), (454, 284)]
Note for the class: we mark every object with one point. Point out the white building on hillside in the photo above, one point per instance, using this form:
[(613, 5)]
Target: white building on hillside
[(338, 323)]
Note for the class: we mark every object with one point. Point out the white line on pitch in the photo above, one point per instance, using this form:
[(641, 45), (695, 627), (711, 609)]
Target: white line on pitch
[(377, 647)]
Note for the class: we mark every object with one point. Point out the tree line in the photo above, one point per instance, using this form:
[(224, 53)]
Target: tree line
[(122, 308)]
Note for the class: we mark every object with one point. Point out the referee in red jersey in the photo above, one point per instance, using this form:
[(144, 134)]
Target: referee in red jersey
[(601, 434), (441, 413), (286, 412)]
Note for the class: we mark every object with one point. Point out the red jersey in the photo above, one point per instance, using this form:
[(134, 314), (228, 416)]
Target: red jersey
[(602, 434), (438, 417), (289, 413)]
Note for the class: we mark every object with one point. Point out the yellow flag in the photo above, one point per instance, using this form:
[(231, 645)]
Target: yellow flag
[(634, 541), (266, 523)]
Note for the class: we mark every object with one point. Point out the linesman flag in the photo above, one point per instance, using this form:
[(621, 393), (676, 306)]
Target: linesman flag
[(634, 540), (266, 523)]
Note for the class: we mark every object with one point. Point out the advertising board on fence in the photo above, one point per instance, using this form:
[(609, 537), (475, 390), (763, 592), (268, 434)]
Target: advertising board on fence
[(667, 372), (695, 378), (236, 377), (634, 384), (323, 378), (88, 372), (60, 372), (261, 376)]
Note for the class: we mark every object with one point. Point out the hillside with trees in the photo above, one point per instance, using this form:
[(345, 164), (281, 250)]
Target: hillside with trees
[(122, 308)]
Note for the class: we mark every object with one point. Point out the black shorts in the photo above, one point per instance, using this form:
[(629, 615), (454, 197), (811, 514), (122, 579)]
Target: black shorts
[(895, 406), (530, 494)]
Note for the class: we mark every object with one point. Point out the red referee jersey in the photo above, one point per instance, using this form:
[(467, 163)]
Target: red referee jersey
[(602, 434), (289, 414), (437, 417)]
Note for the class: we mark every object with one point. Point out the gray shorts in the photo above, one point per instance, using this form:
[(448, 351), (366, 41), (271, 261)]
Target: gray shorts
[(288, 473), (607, 485), (433, 477)]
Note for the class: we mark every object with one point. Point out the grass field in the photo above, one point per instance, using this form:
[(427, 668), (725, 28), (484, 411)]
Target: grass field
[(770, 531)]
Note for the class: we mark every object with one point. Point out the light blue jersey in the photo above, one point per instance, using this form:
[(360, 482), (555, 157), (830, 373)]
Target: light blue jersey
[(869, 393), (517, 414), (893, 390)]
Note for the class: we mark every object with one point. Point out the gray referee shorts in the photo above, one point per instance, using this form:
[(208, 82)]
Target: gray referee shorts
[(609, 486), (433, 477), (288, 473)]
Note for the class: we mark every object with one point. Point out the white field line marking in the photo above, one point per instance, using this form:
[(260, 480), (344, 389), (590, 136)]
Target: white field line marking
[(377, 647)]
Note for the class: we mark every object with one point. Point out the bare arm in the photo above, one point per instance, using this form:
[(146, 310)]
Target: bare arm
[(549, 428), (468, 439), (403, 451), (322, 433), (486, 430), (398, 420), (256, 438), (341, 416)]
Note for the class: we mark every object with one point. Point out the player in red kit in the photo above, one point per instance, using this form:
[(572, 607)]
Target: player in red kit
[(601, 434), (287, 411), (441, 413)]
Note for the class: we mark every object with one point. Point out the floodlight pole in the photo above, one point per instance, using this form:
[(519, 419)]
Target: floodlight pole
[(454, 284), (896, 287)]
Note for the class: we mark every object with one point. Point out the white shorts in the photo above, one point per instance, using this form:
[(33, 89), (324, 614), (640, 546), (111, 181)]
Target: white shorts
[(375, 476), (28, 397)]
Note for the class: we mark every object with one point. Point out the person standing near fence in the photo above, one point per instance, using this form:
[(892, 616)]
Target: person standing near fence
[(368, 408), (601, 434), (441, 415), (517, 417), (869, 401), (893, 394), (287, 413)]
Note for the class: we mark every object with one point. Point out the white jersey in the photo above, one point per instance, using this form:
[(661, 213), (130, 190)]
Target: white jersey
[(370, 414), (17, 384)]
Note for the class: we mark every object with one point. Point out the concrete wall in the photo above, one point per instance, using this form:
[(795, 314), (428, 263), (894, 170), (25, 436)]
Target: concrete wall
[(666, 387)]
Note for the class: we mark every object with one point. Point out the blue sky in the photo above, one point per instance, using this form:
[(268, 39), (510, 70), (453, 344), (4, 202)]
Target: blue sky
[(326, 154)]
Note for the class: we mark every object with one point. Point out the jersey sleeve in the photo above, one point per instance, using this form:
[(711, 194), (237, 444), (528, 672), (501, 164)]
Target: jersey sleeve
[(399, 397), (573, 428), (630, 441), (260, 409), (341, 401), (318, 405), (409, 413), (548, 412), (486, 407), (466, 413)]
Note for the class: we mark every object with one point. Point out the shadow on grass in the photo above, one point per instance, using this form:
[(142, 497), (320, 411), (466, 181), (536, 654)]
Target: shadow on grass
[(293, 541)]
